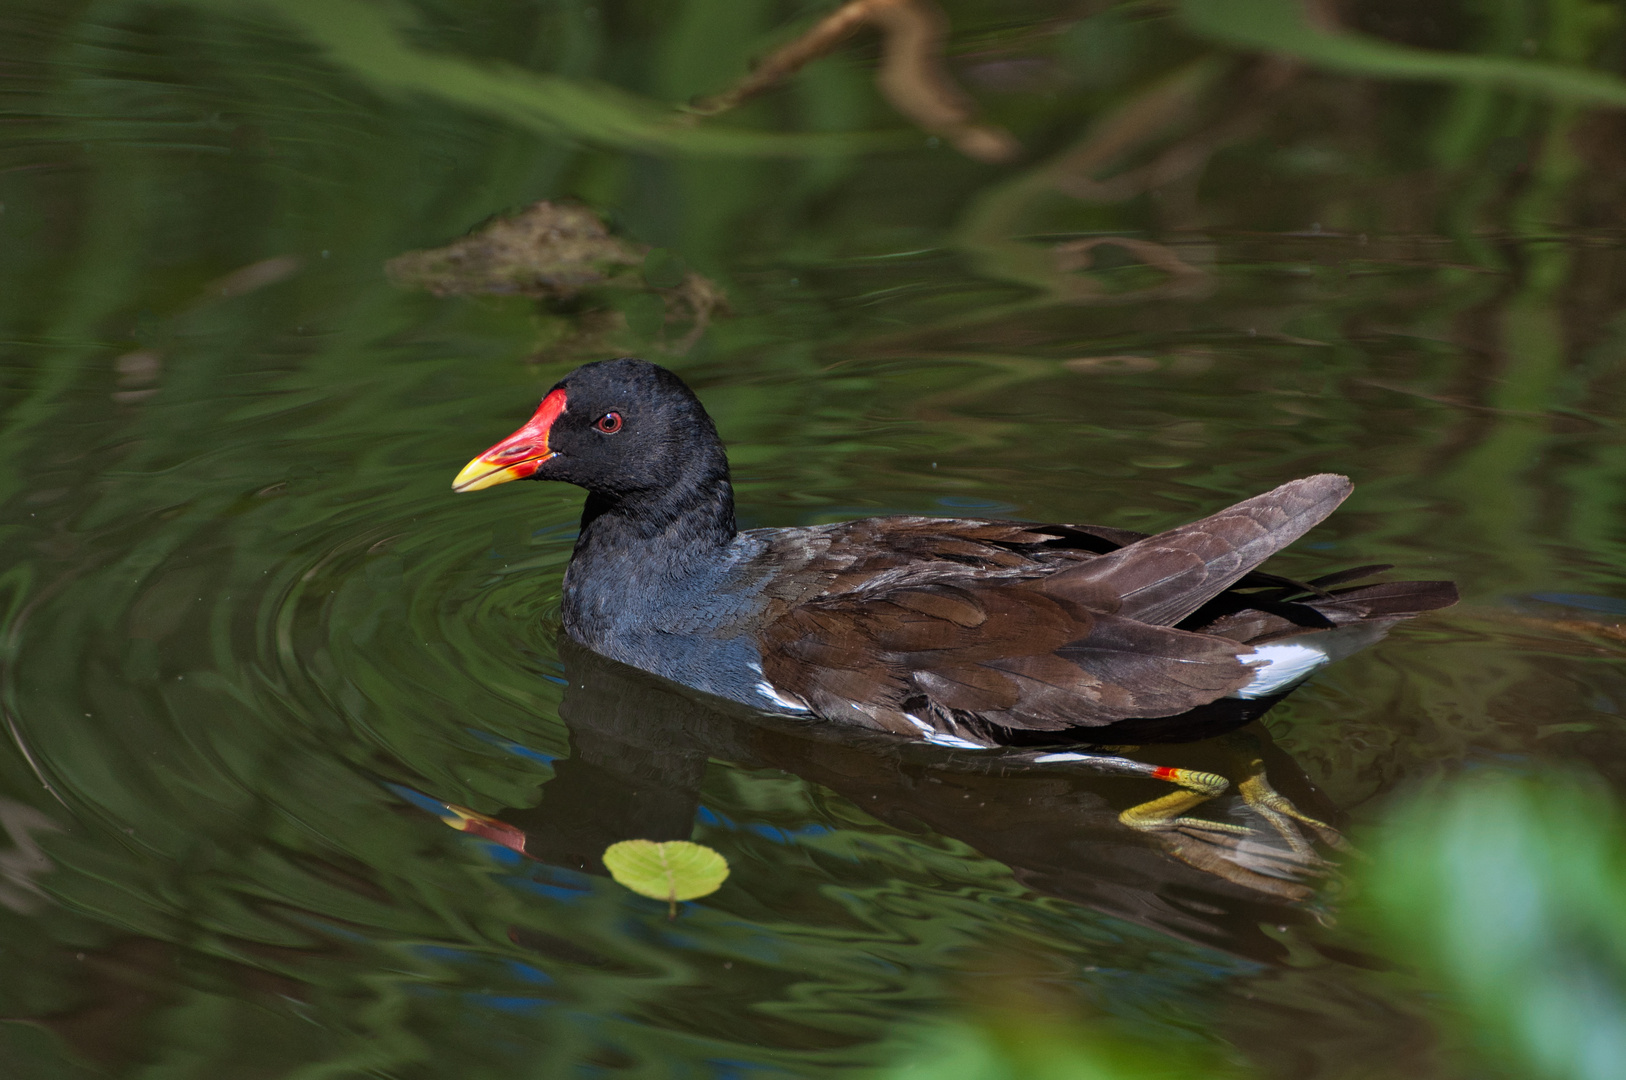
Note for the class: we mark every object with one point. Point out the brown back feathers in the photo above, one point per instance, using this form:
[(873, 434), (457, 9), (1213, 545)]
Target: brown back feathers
[(956, 628)]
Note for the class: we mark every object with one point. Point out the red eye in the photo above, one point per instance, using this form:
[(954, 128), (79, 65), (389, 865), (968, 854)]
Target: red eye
[(609, 423)]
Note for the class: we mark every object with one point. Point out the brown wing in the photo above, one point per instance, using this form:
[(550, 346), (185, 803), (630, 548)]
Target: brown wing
[(963, 652), (931, 627), (871, 555)]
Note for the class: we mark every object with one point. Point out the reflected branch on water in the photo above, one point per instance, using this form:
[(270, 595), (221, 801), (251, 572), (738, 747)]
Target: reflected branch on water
[(1184, 279), (1171, 110), (368, 42), (912, 75)]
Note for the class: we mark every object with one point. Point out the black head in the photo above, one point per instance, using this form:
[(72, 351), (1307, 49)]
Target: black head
[(623, 429)]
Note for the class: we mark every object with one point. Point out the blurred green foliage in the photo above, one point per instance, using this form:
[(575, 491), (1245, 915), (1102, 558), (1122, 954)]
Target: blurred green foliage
[(1507, 892), (1032, 1048), (1295, 29)]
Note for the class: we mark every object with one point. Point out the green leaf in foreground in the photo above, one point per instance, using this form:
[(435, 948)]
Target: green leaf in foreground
[(671, 871), (1508, 893)]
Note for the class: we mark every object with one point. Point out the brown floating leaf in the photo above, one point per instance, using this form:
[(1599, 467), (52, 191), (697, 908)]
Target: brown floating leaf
[(463, 819), (912, 75)]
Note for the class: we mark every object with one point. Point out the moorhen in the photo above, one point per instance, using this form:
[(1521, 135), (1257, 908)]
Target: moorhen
[(962, 632)]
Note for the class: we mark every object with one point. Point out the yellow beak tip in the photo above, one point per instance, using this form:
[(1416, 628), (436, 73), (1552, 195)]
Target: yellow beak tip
[(479, 474)]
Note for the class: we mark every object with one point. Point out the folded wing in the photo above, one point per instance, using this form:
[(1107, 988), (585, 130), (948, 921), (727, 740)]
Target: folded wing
[(957, 644)]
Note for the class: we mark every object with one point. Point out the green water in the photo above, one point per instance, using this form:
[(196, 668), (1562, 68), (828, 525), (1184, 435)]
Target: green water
[(250, 634)]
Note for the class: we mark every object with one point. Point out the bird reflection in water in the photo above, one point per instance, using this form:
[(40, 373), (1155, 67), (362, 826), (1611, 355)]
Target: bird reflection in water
[(640, 747)]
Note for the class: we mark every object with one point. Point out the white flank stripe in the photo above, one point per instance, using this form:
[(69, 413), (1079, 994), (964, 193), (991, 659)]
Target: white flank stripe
[(766, 689), (938, 738)]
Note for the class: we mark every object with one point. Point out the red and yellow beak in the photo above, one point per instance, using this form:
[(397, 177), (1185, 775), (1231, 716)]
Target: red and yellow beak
[(517, 456)]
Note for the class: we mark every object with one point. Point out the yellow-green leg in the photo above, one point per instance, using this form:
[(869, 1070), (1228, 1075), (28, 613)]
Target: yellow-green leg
[(1229, 850), (1169, 811), (1172, 811)]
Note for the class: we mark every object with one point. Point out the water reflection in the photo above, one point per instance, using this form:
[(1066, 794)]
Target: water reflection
[(639, 749)]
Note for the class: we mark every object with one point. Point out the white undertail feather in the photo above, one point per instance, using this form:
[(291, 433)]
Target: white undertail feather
[(1281, 664)]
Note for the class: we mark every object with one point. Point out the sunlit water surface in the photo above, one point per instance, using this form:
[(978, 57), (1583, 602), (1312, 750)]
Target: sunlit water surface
[(251, 635)]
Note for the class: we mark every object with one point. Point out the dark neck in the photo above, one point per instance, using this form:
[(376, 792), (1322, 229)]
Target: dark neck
[(635, 550), (676, 527), (688, 518), (639, 549)]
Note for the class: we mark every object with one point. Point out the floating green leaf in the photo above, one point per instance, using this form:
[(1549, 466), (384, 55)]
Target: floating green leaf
[(1286, 27), (671, 871)]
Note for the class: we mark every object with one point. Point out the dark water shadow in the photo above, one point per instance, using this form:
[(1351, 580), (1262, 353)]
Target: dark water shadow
[(640, 748)]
